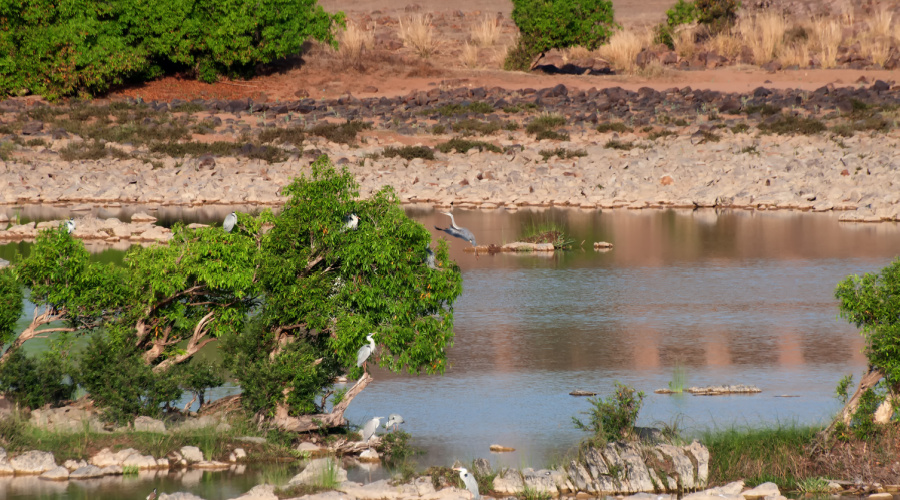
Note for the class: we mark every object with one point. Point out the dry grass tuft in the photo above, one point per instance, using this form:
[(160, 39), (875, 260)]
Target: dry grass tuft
[(469, 56), (764, 34), (623, 48), (825, 40), (485, 33), (795, 54), (684, 40), (576, 53), (353, 41), (418, 34), (876, 42), (880, 22), (726, 44)]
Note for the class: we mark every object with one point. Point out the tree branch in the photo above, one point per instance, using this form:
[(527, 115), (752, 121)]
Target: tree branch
[(49, 315), (335, 418), (868, 381)]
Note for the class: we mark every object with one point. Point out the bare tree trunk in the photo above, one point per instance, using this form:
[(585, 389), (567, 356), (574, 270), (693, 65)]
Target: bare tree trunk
[(868, 381), (334, 418), (31, 331), (197, 341)]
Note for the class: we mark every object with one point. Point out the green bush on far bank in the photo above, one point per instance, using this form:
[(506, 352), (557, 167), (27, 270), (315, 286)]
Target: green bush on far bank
[(68, 47)]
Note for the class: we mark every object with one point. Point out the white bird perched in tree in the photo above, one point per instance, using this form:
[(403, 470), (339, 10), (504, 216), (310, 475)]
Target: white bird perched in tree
[(368, 430), (365, 351), (470, 482), (393, 421), (70, 225), (230, 221), (429, 258), (459, 232), (351, 222)]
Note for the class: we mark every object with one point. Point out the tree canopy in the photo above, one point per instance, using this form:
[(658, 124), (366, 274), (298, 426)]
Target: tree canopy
[(291, 296)]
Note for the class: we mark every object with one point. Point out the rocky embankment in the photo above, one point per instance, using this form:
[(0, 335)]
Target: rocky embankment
[(831, 149)]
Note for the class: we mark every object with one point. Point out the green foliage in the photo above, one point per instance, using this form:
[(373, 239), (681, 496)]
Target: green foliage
[(613, 418), (396, 448), (790, 124), (76, 46), (343, 133), (121, 383), (679, 379), (613, 127), (562, 153), (681, 13), (11, 302), (775, 454), (718, 15), (463, 145), (622, 145), (862, 422), (35, 382), (544, 127), (199, 376), (557, 24), (842, 391), (871, 302), (409, 152)]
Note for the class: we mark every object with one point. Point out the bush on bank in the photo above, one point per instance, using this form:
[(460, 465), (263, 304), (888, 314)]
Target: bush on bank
[(67, 47)]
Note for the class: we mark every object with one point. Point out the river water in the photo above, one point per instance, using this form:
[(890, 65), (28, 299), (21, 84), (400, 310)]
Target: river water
[(729, 297)]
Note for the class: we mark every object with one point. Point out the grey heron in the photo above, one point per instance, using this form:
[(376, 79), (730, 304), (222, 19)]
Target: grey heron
[(70, 225), (351, 222), (230, 221), (429, 258), (393, 421), (365, 351), (459, 232), (470, 482), (368, 430)]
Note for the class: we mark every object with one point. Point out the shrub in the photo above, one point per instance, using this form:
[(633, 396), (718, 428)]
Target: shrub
[(681, 13), (10, 304), (562, 153), (471, 126), (557, 24), (343, 133), (121, 384), (64, 48), (463, 145), (35, 382), (613, 418), (409, 152), (790, 124), (613, 127), (718, 15)]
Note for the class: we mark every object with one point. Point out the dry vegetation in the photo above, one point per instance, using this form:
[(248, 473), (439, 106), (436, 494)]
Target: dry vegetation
[(417, 33)]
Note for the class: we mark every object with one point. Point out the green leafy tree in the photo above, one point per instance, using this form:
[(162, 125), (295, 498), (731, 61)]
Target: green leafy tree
[(613, 418), (60, 48), (11, 301), (718, 15), (326, 287), (872, 303), (65, 287), (683, 12), (35, 382), (556, 24)]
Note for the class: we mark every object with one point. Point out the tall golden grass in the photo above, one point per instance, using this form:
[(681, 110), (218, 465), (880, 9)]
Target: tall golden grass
[(469, 56), (764, 34), (684, 41), (353, 41), (418, 34), (624, 47), (486, 32), (825, 38)]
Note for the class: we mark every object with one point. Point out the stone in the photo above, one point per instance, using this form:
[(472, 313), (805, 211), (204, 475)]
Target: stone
[(315, 469), (32, 127), (59, 473), (509, 482), (762, 491), (191, 453), (142, 217), (87, 472), (260, 492), (308, 447), (148, 424), (140, 461), (181, 495), (880, 496), (497, 448), (72, 465), (369, 455), (33, 462)]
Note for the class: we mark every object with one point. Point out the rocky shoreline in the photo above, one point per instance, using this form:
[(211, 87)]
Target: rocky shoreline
[(831, 149)]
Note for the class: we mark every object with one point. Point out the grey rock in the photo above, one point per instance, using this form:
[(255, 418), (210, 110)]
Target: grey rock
[(59, 473), (509, 482), (33, 462), (148, 424), (191, 453), (315, 470), (87, 472), (762, 491), (260, 492), (181, 495), (33, 127)]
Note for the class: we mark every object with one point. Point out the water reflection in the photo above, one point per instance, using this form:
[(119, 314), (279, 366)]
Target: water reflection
[(733, 296)]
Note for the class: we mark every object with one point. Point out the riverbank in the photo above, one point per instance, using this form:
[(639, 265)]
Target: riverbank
[(831, 149)]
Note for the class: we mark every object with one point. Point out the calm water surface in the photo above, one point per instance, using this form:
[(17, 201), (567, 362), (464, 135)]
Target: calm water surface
[(733, 297)]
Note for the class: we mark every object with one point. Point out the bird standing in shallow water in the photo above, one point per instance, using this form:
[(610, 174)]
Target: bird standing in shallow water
[(459, 232), (368, 430), (230, 221), (365, 351), (393, 421), (470, 482)]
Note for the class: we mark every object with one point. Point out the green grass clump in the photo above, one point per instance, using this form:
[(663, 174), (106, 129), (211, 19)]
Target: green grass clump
[(750, 150), (622, 145), (656, 134), (613, 127), (438, 129), (790, 124), (341, 133), (471, 126), (83, 150), (458, 109), (707, 136), (193, 148), (409, 152), (759, 455), (6, 149), (763, 109), (545, 122), (188, 107), (562, 153), (547, 231), (290, 135), (464, 145), (740, 128)]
